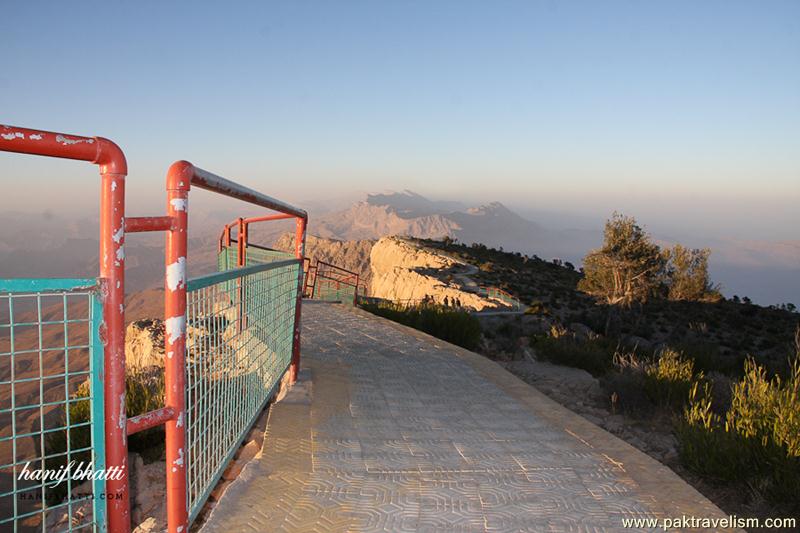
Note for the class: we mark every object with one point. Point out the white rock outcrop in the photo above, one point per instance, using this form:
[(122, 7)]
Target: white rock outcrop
[(405, 272)]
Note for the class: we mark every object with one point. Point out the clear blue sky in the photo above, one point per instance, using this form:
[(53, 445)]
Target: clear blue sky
[(656, 108)]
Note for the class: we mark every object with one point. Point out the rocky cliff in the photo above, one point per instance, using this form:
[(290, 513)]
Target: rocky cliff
[(403, 271), (350, 255)]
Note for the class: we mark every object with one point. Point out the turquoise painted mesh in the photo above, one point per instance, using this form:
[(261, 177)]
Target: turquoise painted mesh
[(332, 290), (51, 404), (226, 259), (334, 284), (240, 326)]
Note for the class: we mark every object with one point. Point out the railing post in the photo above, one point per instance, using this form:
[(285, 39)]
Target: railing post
[(299, 252), (112, 268), (178, 183), (240, 245)]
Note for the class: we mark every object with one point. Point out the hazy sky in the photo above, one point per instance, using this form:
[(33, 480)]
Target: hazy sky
[(682, 111)]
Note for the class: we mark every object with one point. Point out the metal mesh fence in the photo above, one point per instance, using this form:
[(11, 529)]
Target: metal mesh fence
[(332, 290), (51, 405), (227, 258), (334, 284), (239, 344), (504, 297)]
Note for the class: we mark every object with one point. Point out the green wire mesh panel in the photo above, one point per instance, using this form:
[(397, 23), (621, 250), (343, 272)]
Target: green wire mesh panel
[(51, 405), (332, 290), (240, 326), (334, 284), (227, 258)]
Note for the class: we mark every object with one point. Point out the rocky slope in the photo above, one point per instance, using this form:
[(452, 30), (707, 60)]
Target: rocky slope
[(350, 255), (403, 271)]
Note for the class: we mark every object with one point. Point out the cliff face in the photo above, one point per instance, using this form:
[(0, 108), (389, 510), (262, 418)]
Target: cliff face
[(350, 255), (402, 271)]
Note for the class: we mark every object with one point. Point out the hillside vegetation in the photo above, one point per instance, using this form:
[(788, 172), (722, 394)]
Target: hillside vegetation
[(718, 378), (717, 333)]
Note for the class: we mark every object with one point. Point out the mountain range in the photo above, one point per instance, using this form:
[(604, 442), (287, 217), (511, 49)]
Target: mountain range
[(58, 246), (410, 214)]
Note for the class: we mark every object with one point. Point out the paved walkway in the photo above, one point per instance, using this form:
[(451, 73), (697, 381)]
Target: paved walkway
[(391, 430)]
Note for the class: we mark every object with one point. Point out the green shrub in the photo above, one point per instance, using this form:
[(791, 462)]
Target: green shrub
[(451, 325), (537, 308), (707, 358), (144, 391), (668, 380), (756, 441), (626, 391), (595, 356)]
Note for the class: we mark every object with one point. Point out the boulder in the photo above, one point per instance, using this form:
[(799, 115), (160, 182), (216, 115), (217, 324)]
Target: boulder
[(148, 494), (638, 342), (582, 331)]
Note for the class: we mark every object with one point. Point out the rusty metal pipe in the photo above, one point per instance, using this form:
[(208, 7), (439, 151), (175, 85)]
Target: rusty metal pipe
[(178, 185), (149, 420), (143, 224), (211, 182)]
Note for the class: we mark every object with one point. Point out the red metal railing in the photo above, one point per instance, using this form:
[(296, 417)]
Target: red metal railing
[(243, 225), (113, 170), (180, 177), (332, 277), (113, 227)]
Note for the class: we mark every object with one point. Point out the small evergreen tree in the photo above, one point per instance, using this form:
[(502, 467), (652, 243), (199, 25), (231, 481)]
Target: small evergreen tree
[(628, 268), (687, 274)]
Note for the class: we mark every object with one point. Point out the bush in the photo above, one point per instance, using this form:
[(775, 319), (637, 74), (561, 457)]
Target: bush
[(687, 275), (626, 387), (144, 391), (595, 356), (627, 268), (451, 325), (668, 380), (537, 308), (707, 358), (756, 441)]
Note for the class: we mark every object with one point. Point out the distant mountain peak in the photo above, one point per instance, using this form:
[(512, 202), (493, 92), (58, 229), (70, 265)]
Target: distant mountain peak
[(409, 204), (493, 209)]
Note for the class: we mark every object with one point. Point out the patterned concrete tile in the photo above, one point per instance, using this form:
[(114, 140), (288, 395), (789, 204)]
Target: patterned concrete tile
[(407, 433)]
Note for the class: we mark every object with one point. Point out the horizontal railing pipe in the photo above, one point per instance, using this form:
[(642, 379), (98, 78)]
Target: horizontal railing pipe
[(143, 224), (183, 170), (150, 420)]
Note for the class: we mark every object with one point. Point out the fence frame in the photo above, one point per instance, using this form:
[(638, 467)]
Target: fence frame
[(204, 282), (111, 332), (95, 289), (180, 177), (334, 273), (113, 171)]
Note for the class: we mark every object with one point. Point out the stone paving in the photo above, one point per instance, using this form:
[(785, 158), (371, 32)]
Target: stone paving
[(391, 430)]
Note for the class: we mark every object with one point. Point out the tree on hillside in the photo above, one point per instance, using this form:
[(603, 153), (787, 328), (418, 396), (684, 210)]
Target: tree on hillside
[(687, 274), (628, 268)]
